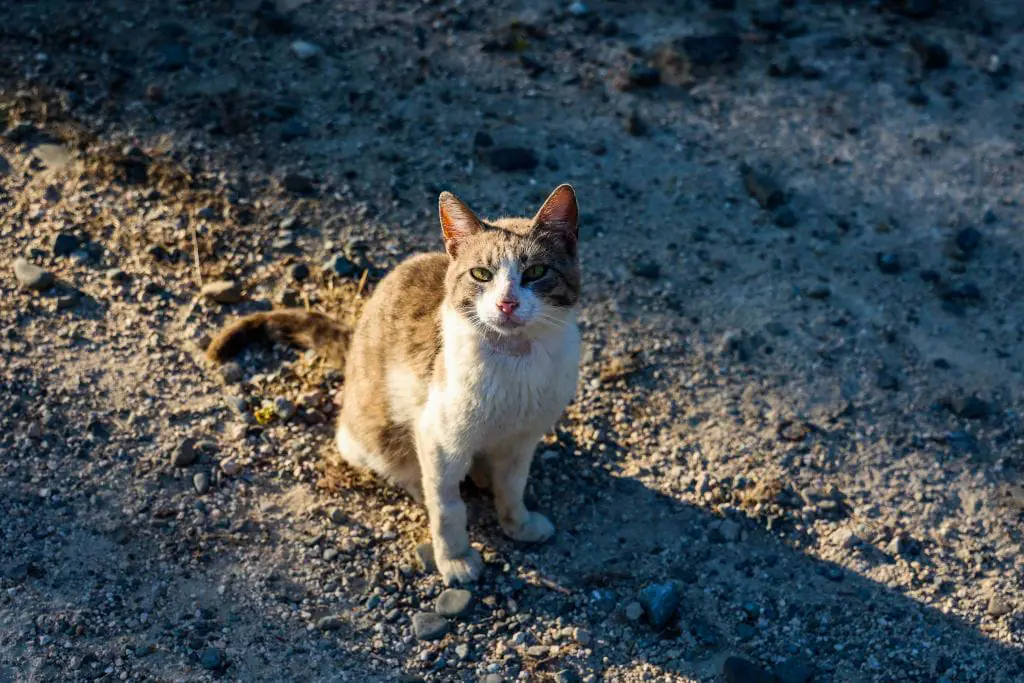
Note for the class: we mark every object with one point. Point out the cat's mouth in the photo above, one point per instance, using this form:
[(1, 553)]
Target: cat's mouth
[(509, 323)]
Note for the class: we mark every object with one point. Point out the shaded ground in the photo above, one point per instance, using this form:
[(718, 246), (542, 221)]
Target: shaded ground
[(808, 421)]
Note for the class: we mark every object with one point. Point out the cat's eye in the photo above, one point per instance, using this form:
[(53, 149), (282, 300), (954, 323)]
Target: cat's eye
[(534, 273), (481, 274)]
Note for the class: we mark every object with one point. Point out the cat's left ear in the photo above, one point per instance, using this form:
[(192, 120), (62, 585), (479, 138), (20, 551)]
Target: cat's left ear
[(457, 221), (560, 215)]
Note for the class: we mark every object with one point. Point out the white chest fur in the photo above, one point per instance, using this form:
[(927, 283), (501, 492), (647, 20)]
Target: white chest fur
[(489, 396)]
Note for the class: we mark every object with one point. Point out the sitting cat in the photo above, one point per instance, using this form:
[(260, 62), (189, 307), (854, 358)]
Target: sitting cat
[(459, 364)]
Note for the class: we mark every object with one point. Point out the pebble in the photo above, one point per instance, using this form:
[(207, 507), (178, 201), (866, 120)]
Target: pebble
[(297, 183), (211, 659), (453, 602), (819, 291), (967, 240), (931, 54), (511, 159), (64, 243), (201, 482), (231, 467), (53, 157), (340, 266), (231, 372), (794, 670), (889, 263), (740, 670), (337, 517), (186, 452), (222, 291), (30, 276), (583, 637), (283, 408), (117, 275), (634, 611), (330, 623), (578, 9), (305, 51), (429, 626), (330, 554), (425, 558), (763, 188), (660, 601), (785, 217), (299, 272), (997, 607)]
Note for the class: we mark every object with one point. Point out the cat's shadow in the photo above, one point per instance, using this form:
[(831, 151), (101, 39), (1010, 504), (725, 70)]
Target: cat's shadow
[(744, 590)]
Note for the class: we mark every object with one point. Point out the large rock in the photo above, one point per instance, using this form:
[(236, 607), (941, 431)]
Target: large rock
[(660, 601)]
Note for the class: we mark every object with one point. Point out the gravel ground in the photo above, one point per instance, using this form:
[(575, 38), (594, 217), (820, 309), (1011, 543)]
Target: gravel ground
[(797, 448)]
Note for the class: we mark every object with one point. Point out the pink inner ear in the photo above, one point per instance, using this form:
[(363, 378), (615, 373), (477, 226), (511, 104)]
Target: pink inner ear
[(560, 211), (457, 220)]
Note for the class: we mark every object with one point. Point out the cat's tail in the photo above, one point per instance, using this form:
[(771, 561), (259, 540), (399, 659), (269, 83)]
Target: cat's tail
[(306, 329)]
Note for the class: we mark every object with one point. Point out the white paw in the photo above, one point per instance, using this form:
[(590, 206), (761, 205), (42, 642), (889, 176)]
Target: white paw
[(462, 569), (536, 529)]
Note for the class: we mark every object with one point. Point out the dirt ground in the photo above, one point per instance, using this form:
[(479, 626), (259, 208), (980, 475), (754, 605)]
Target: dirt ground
[(797, 449)]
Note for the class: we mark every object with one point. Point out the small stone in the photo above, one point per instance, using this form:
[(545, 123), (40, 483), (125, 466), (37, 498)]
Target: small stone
[(231, 467), (706, 51), (730, 530), (288, 298), (53, 157), (635, 125), (997, 607), (284, 408), (337, 517), (429, 626), (538, 651), (425, 558), (643, 75), (30, 276), (578, 9), (330, 623), (64, 243), (231, 372), (583, 637), (511, 159), (969, 407), (844, 538), (968, 240), (904, 545), (222, 291), (201, 482), (931, 54), (330, 554), (482, 139), (739, 670), (648, 269), (462, 651), (453, 602), (794, 670), (763, 188), (340, 266), (819, 291), (117, 275), (634, 611), (297, 183), (785, 217), (660, 601), (185, 454), (211, 659), (305, 51), (299, 272), (889, 263)]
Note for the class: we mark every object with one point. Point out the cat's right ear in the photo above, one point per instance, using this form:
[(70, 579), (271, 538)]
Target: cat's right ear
[(457, 221)]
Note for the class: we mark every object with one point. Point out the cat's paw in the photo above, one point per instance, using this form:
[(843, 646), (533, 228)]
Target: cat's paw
[(536, 529), (462, 569)]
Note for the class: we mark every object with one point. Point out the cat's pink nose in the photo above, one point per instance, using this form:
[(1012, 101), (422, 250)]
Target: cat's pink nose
[(508, 306)]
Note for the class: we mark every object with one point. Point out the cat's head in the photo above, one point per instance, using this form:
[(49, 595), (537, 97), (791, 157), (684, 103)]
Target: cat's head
[(514, 276)]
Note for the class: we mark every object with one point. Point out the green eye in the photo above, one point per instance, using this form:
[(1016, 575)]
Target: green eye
[(481, 274), (534, 273)]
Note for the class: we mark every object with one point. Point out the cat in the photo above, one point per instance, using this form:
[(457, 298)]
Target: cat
[(458, 365)]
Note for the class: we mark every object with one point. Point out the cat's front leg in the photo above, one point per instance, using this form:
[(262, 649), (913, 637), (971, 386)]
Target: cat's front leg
[(510, 469), (443, 471)]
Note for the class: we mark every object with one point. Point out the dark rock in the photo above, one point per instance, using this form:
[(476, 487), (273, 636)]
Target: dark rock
[(889, 263), (705, 51), (819, 291), (904, 545), (482, 139), (211, 659), (185, 454), (646, 268), (330, 623), (340, 266), (968, 240), (931, 54), (785, 217), (929, 275), (961, 292), (512, 159), (201, 482), (739, 670), (297, 183), (762, 188), (21, 132), (795, 670), (30, 276), (272, 20), (785, 69), (969, 407), (172, 56), (299, 272), (643, 75), (429, 626), (64, 243), (634, 125), (660, 601), (453, 602)]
